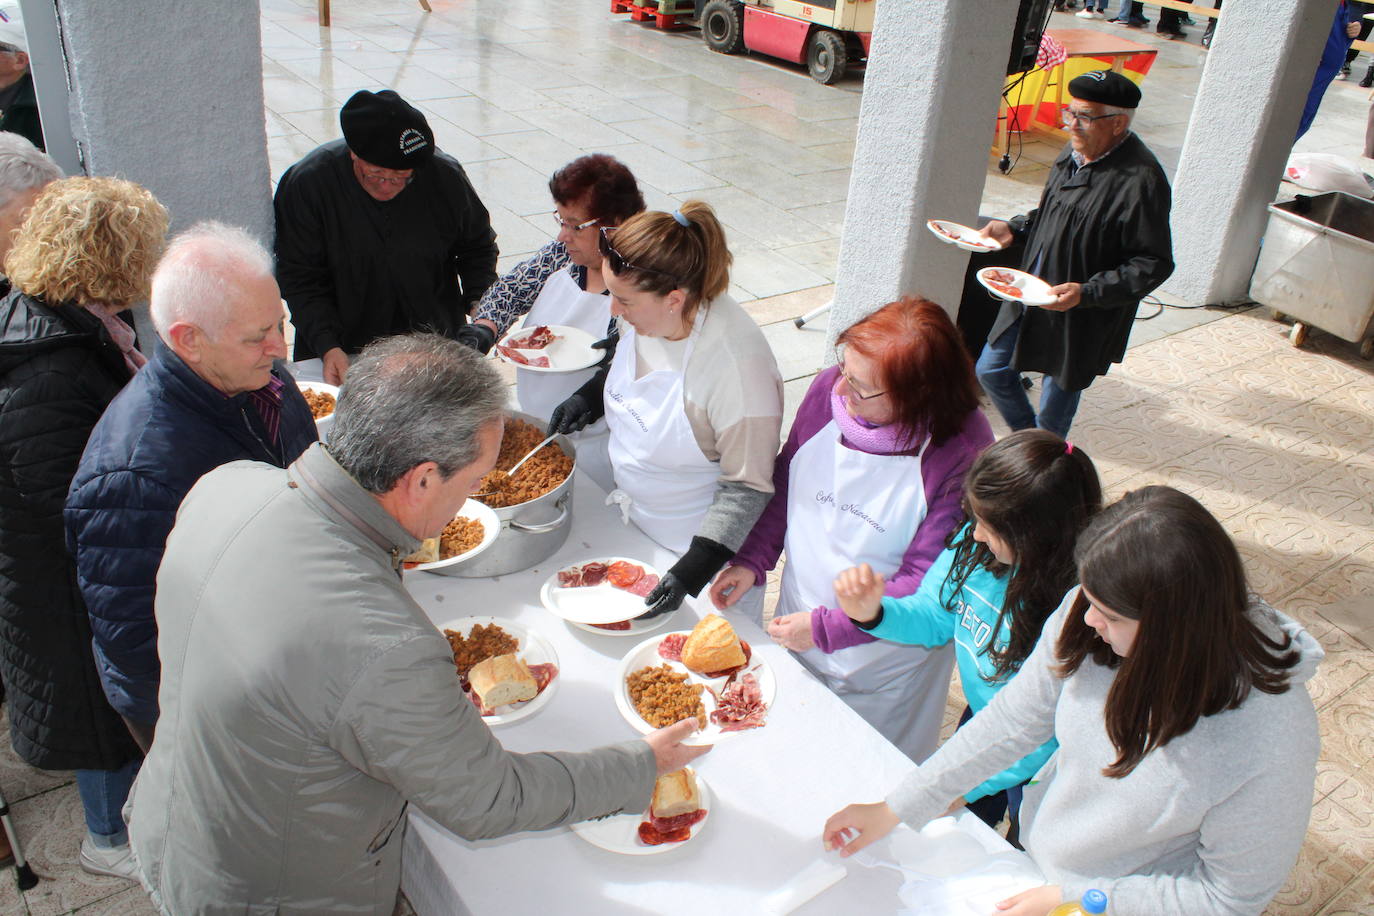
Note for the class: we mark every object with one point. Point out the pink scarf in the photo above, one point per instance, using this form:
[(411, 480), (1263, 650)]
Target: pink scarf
[(888, 439), (120, 333)]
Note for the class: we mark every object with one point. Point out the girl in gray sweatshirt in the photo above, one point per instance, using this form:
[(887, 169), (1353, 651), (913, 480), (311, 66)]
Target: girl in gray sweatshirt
[(1187, 743)]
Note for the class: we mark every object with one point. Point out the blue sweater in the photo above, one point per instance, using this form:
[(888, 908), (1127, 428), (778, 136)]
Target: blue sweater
[(933, 616), (165, 430)]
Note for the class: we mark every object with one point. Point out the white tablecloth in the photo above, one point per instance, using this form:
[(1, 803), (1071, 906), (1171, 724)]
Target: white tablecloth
[(772, 788)]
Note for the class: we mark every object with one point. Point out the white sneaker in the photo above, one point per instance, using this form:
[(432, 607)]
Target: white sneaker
[(115, 861), (1085, 14)]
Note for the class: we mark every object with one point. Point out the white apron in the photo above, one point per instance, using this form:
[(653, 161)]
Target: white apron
[(664, 483), (846, 507), (562, 301)]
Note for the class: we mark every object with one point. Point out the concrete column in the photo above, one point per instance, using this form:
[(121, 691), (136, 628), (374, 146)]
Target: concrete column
[(926, 124), (1253, 89), (49, 72), (168, 93)]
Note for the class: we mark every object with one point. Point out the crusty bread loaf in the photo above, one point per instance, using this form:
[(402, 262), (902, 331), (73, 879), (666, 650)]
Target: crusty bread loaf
[(428, 552), (676, 793), (502, 679), (712, 646)]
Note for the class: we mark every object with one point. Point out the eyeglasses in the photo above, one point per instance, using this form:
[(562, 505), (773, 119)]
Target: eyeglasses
[(853, 388), (573, 227), (1069, 118), (619, 264), (383, 178)]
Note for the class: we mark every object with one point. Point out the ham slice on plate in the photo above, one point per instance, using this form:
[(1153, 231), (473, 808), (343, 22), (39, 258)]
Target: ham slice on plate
[(537, 339), (740, 705), (643, 585), (670, 647), (515, 356), (659, 830)]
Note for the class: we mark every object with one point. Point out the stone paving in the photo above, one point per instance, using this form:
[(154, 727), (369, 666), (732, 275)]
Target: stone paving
[(1274, 440)]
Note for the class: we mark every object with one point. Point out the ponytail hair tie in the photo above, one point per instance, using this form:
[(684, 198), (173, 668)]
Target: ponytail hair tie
[(681, 220), (1068, 447)]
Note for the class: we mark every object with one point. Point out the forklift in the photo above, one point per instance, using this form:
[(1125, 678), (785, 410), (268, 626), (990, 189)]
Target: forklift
[(828, 36)]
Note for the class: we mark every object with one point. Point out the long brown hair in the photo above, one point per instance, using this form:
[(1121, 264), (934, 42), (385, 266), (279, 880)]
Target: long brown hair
[(1158, 557), (1037, 494), (922, 365), (692, 258)]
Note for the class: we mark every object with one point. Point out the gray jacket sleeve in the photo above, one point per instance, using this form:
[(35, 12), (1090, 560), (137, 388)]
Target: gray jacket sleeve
[(406, 722)]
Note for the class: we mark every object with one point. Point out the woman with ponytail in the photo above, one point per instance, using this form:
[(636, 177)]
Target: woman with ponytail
[(692, 398)]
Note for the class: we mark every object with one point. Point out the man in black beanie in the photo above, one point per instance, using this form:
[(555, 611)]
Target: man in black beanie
[(1100, 238), (377, 234)]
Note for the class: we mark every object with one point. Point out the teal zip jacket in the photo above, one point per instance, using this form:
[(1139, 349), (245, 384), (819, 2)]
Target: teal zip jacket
[(933, 616)]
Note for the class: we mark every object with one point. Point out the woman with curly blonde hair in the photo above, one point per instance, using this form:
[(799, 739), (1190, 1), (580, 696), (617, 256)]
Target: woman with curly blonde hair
[(85, 252)]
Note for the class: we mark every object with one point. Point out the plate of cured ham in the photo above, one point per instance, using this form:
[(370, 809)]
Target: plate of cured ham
[(479, 640), (1015, 286), (548, 348), (656, 689), (965, 237), (645, 834), (603, 595)]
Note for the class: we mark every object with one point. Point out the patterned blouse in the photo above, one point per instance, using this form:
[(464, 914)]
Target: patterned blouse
[(511, 297)]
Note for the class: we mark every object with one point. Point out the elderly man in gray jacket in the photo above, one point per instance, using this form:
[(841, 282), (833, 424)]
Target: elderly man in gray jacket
[(306, 698)]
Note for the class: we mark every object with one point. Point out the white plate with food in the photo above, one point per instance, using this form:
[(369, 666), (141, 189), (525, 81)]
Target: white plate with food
[(472, 531), (602, 593), (549, 348), (676, 814), (487, 672), (1015, 286), (321, 398), (668, 678), (965, 237)]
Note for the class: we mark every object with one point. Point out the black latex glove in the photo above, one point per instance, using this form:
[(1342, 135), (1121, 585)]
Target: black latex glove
[(581, 408), (478, 336), (688, 576), (608, 343), (666, 597)]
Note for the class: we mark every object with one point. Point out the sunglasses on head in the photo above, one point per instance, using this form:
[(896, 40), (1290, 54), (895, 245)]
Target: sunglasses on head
[(619, 265)]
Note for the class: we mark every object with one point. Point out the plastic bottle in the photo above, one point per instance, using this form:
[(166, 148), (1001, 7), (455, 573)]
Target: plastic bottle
[(1094, 901)]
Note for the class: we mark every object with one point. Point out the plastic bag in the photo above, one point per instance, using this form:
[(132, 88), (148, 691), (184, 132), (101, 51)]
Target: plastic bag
[(1327, 172)]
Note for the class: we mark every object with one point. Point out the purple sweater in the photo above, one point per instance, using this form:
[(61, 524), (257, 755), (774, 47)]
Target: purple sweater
[(942, 472)]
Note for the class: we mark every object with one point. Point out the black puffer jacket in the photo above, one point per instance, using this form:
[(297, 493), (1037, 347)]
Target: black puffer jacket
[(58, 370)]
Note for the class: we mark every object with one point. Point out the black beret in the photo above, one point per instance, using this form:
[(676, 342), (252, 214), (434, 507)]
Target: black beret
[(1105, 87), (384, 129)]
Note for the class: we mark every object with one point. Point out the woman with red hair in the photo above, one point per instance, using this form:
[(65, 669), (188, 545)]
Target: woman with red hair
[(872, 472)]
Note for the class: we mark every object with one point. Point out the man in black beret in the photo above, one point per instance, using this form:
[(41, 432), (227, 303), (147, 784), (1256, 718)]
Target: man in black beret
[(377, 234), (1100, 238)]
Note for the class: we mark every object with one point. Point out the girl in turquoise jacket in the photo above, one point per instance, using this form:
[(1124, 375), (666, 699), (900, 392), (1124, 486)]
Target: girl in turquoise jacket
[(1026, 499)]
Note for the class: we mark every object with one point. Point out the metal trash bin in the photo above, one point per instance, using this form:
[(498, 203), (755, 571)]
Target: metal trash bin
[(1317, 266)]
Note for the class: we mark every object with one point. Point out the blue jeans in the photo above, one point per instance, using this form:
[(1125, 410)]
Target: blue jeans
[(1002, 382), (103, 793)]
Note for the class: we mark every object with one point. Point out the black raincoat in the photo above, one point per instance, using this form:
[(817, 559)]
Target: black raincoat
[(353, 269), (1105, 225)]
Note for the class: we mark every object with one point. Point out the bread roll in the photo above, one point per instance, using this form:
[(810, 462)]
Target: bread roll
[(502, 679), (428, 552), (675, 793), (712, 646)]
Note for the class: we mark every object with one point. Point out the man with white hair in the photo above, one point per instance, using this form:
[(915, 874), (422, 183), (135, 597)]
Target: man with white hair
[(25, 171), (209, 395)]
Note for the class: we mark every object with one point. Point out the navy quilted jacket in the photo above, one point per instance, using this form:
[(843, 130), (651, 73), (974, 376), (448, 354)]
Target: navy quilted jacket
[(165, 430)]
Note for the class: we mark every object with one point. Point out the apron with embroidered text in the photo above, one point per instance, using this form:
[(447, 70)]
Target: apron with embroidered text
[(846, 507), (660, 471)]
